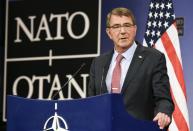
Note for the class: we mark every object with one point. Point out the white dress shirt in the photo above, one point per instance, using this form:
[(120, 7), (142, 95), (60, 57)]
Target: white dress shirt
[(125, 63)]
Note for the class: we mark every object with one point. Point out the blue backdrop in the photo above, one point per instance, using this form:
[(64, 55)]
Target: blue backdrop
[(140, 8)]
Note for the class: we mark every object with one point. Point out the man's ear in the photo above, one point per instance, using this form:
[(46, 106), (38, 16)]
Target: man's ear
[(135, 29), (108, 32)]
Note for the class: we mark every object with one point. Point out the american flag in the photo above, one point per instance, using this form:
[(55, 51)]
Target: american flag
[(161, 33)]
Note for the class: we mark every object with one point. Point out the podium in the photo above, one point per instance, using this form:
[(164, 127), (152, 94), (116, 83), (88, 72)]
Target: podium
[(97, 113)]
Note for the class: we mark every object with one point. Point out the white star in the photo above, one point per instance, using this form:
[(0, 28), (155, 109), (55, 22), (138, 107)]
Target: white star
[(151, 5), (160, 24), (158, 33), (150, 14), (161, 14), (147, 32), (154, 24), (167, 15), (162, 6), (166, 24), (156, 15), (173, 16), (149, 24), (169, 5), (157, 6), (151, 42), (153, 33)]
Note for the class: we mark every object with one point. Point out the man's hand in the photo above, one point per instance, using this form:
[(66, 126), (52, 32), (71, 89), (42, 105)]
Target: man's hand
[(162, 119)]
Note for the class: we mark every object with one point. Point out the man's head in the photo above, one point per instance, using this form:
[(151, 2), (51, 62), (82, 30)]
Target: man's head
[(121, 28)]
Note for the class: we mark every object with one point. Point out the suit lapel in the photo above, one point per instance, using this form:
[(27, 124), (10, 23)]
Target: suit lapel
[(106, 68), (134, 66)]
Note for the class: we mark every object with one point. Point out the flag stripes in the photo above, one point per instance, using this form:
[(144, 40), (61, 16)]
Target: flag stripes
[(176, 89), (181, 123), (174, 59)]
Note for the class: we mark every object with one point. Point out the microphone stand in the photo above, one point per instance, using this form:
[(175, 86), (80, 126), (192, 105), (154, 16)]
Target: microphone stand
[(83, 64)]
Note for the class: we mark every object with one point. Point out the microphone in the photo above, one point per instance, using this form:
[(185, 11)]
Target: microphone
[(83, 64)]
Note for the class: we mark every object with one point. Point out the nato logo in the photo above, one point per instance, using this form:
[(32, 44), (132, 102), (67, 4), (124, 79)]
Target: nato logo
[(55, 123)]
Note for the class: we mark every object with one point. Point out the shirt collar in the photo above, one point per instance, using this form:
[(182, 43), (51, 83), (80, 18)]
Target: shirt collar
[(128, 53)]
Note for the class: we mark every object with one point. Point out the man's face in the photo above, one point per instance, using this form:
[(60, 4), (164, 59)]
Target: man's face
[(122, 32)]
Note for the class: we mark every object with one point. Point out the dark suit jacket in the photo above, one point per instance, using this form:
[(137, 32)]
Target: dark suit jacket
[(146, 88)]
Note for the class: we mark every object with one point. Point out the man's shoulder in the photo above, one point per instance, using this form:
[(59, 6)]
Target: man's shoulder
[(105, 55), (150, 50), (103, 59)]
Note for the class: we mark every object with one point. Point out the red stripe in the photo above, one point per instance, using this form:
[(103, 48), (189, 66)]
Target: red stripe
[(174, 60), (178, 117)]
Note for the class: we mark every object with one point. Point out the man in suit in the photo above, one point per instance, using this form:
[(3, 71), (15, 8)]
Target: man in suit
[(143, 80)]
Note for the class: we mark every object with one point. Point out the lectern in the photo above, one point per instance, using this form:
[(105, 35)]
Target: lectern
[(98, 113)]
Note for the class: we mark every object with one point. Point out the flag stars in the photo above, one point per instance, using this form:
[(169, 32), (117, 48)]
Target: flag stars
[(158, 34), (150, 15), (173, 16), (153, 33), (169, 6), (159, 24), (165, 24), (157, 6), (149, 24), (147, 32), (161, 14), (151, 5), (154, 24), (167, 15), (162, 6), (151, 42), (155, 15), (160, 17)]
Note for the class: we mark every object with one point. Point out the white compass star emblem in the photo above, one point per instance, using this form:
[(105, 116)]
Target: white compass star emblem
[(57, 123)]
